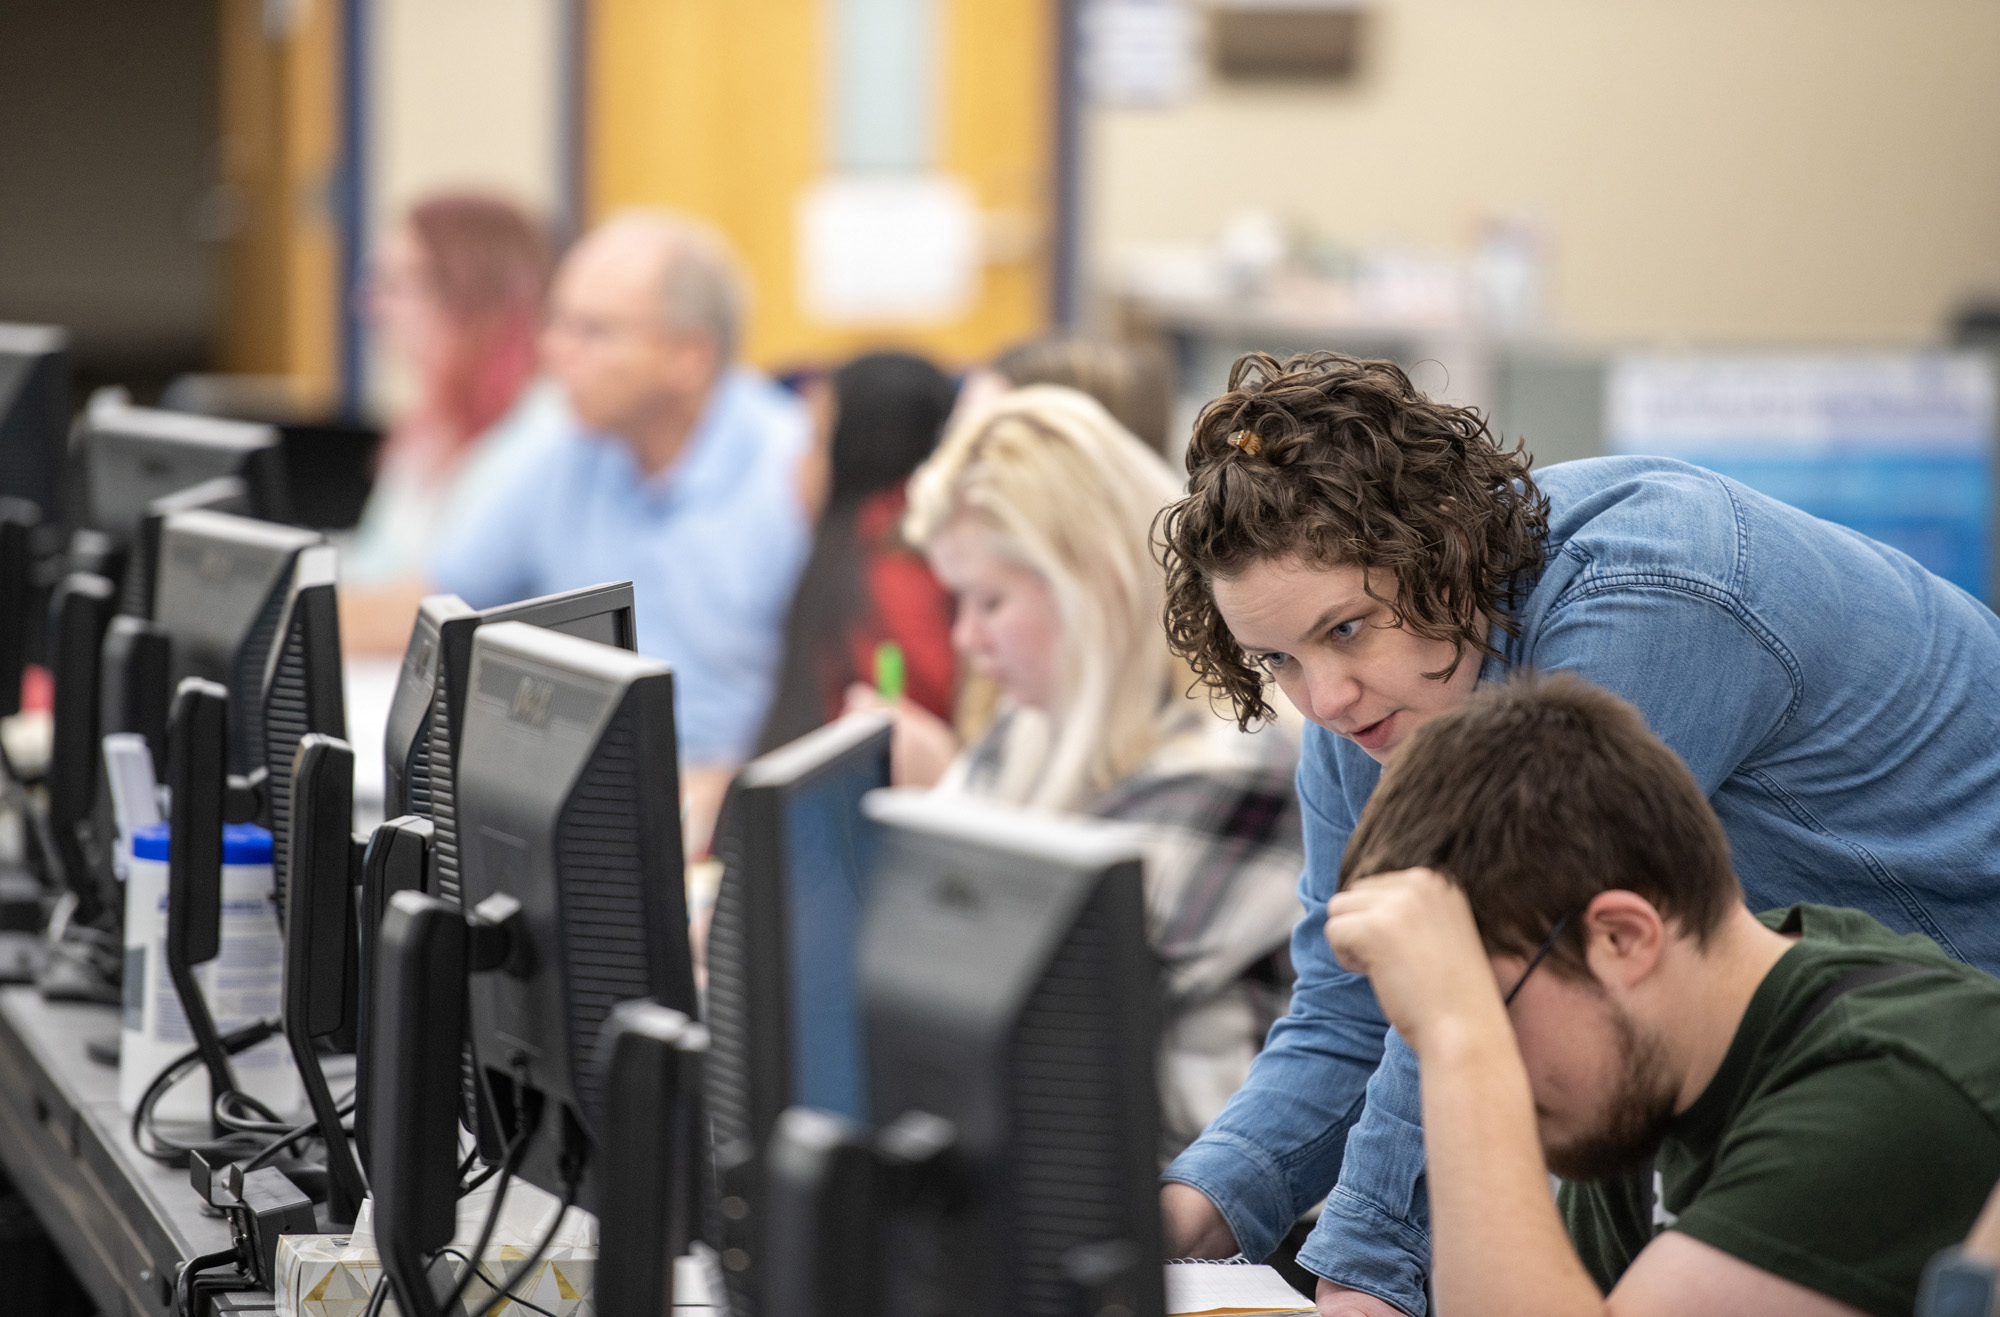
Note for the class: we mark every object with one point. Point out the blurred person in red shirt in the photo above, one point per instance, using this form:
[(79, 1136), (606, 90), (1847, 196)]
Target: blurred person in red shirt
[(864, 587)]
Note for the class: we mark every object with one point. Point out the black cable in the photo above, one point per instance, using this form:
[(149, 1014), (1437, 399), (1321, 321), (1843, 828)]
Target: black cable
[(473, 1184), (506, 1292), (165, 1149), (508, 1166), (376, 1296), (261, 1115), (271, 1123), (184, 1283), (286, 1139), (245, 1136), (514, 1298)]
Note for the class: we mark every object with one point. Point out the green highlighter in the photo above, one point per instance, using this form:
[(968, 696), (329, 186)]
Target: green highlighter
[(889, 671)]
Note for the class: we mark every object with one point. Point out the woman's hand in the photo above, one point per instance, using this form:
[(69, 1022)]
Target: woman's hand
[(1412, 934), (922, 745)]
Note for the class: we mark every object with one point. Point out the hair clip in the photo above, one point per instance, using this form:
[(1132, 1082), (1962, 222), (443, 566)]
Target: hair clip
[(1247, 442)]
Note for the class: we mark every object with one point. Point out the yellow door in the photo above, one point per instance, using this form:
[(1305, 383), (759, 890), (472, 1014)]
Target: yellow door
[(280, 75), (721, 108)]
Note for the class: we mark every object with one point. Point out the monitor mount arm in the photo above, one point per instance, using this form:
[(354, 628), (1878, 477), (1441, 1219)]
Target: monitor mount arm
[(424, 954), (244, 799), (827, 1185), (648, 1199), (397, 859), (319, 932), (195, 773)]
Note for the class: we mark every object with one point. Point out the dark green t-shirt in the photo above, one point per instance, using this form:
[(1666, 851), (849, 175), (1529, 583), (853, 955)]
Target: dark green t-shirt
[(1841, 1158)]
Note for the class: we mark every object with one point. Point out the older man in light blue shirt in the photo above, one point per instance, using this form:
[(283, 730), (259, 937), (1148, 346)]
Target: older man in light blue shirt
[(678, 473)]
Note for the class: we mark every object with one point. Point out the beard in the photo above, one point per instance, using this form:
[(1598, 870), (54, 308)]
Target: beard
[(1634, 1121)]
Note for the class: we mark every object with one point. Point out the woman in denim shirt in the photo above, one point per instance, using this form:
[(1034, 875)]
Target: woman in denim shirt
[(1376, 555)]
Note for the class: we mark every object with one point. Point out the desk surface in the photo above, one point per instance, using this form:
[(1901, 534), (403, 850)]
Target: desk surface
[(123, 1221)]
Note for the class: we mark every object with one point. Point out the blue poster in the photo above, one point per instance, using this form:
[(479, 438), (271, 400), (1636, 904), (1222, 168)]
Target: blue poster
[(1899, 446)]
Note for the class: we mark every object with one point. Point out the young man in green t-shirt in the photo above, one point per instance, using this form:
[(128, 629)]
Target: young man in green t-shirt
[(1543, 901)]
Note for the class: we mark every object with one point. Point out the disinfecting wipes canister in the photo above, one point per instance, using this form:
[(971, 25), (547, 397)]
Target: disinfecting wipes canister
[(242, 984)]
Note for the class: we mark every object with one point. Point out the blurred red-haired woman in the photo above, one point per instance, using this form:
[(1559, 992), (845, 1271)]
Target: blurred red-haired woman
[(455, 300)]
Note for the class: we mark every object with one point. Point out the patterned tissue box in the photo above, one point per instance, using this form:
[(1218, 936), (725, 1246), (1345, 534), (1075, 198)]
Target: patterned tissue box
[(331, 1276)]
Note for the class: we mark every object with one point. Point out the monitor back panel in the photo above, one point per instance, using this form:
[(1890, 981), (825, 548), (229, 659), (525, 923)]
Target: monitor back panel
[(220, 593), (34, 415), (568, 803), (602, 613), (1011, 991)]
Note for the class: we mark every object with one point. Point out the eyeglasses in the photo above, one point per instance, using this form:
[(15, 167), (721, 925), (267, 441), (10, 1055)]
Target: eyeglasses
[(1548, 945)]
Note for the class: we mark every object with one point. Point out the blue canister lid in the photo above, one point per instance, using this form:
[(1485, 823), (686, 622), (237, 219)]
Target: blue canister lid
[(242, 843)]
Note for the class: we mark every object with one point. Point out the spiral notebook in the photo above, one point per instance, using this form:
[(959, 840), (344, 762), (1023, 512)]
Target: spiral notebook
[(1227, 1289)]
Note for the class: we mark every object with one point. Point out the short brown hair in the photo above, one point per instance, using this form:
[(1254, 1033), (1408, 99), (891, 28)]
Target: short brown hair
[(1343, 462), (1129, 379), (1534, 796)]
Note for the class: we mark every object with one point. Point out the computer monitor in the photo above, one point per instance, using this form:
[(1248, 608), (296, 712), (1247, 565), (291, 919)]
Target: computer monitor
[(221, 494), (224, 585), (79, 612), (18, 520), (134, 455), (784, 1012), (406, 748), (569, 804), (298, 693), (1009, 990), (34, 414), (421, 742), (137, 689)]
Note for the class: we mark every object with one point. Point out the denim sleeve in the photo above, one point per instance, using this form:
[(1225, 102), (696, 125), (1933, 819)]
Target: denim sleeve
[(1712, 684), (1276, 1147), (1374, 1234)]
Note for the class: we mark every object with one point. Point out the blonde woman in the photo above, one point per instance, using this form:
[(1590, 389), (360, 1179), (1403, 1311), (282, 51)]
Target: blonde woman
[(1036, 514)]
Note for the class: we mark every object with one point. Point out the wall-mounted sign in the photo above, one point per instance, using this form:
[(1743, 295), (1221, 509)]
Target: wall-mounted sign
[(1899, 446), (1139, 53), (888, 249)]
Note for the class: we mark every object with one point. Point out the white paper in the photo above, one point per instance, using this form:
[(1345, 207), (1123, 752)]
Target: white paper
[(888, 249), (1139, 53), (1197, 1287)]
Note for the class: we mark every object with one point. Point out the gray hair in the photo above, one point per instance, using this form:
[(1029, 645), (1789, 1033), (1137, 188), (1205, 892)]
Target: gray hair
[(702, 286)]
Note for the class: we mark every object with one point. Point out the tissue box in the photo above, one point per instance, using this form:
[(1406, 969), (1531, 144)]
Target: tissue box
[(332, 1276)]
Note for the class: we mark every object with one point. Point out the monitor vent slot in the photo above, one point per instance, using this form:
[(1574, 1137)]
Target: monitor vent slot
[(726, 1067), (246, 685), (444, 809), (417, 780), (434, 754), (1069, 1188), (286, 723), (728, 1004), (601, 885)]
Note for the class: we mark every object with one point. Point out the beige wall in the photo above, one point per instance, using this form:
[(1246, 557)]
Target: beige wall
[(465, 92), (1709, 170)]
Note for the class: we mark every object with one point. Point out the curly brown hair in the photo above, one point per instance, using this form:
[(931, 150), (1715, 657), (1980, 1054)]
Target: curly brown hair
[(1342, 462)]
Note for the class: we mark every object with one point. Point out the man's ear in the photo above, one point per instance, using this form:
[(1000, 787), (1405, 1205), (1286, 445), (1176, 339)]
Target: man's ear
[(1624, 938)]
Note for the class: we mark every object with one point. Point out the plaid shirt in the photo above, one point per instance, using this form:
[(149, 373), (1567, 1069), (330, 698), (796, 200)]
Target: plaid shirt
[(1221, 830)]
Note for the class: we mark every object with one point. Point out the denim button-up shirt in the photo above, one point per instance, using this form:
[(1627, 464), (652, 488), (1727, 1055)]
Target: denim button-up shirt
[(1834, 699)]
